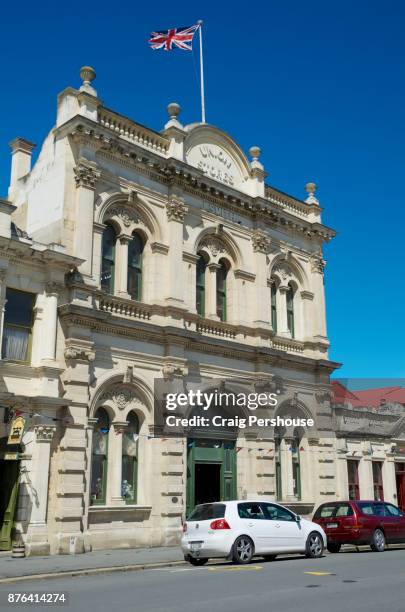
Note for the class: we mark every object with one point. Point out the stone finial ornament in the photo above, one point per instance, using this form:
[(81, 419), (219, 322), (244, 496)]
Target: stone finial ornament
[(255, 152), (173, 110), (256, 166), (310, 188), (88, 74)]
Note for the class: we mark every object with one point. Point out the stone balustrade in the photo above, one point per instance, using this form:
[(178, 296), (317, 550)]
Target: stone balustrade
[(133, 132), (124, 308)]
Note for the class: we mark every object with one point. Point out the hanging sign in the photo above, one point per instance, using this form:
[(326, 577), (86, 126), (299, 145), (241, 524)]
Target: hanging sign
[(17, 430), (10, 456)]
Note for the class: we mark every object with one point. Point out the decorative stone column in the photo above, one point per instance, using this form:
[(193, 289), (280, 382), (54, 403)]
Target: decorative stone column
[(176, 211), (282, 325), (261, 244), (86, 176), (91, 422), (50, 316), (115, 463), (287, 469), (3, 274), (257, 172), (319, 317), (366, 478), (211, 291), (121, 278), (98, 229), (389, 480), (37, 534), (307, 314), (191, 281)]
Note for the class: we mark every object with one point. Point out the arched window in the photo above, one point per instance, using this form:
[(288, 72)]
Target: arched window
[(99, 455), (200, 285), (290, 309), (108, 259), (273, 289), (130, 459), (221, 290), (135, 250)]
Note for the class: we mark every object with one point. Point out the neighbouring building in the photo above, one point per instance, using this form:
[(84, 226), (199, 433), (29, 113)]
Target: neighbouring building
[(127, 255)]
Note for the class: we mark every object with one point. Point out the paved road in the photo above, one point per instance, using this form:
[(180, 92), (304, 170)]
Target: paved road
[(347, 581)]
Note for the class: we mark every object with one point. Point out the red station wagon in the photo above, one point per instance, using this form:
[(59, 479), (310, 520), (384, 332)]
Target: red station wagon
[(359, 522)]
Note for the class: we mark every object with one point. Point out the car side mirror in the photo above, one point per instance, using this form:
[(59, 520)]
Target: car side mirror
[(297, 518)]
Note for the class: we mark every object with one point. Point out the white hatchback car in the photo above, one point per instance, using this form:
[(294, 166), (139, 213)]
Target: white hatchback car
[(240, 530)]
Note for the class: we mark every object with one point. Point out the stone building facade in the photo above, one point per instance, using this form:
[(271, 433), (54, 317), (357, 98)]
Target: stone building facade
[(128, 255)]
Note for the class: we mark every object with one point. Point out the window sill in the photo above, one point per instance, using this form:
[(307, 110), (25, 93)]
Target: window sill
[(132, 509)]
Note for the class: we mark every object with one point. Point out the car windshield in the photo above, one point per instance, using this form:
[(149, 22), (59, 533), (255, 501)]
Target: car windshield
[(207, 512)]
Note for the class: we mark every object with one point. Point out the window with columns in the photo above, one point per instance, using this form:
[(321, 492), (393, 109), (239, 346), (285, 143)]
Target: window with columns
[(283, 307), (287, 468), (122, 268), (108, 259), (99, 457), (134, 276), (212, 277)]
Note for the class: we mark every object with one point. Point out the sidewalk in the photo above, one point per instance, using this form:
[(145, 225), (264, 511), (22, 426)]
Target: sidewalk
[(92, 562)]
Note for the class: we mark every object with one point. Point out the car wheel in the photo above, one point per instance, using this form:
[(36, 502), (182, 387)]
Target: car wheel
[(197, 562), (314, 548), (242, 551), (269, 557), (378, 541), (333, 548)]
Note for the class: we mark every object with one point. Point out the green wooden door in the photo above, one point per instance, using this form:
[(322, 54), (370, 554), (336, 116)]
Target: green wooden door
[(9, 471), (205, 451)]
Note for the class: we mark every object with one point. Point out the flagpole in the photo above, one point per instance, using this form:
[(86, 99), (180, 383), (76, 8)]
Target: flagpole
[(200, 23)]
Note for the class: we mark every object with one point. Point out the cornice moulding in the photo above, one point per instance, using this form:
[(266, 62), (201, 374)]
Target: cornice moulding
[(171, 170)]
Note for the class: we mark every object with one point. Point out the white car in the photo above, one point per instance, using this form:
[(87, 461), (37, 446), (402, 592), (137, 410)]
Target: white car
[(240, 530)]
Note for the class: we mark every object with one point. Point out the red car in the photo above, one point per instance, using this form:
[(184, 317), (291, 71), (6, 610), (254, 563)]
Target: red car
[(359, 522)]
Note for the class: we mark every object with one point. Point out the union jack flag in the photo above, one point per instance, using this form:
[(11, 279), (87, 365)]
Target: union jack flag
[(175, 37)]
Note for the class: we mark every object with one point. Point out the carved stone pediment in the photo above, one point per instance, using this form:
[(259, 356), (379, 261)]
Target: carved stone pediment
[(121, 395), (126, 215), (214, 246)]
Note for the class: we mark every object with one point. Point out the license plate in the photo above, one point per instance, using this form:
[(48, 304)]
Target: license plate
[(331, 525), (194, 546)]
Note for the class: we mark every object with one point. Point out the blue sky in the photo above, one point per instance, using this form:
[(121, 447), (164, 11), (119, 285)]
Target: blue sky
[(318, 86)]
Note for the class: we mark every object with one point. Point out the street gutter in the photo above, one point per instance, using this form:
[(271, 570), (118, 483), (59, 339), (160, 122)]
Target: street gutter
[(92, 571)]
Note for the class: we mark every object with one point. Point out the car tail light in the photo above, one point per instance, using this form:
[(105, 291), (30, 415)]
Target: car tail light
[(184, 527), (220, 524)]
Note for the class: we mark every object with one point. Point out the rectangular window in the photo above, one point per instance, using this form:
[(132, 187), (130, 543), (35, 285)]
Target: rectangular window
[(18, 320), (277, 455), (378, 481), (296, 470), (274, 306), (353, 479)]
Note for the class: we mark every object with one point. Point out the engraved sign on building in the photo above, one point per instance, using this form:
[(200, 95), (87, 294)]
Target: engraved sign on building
[(216, 163)]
